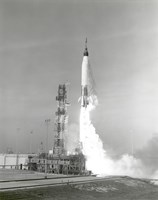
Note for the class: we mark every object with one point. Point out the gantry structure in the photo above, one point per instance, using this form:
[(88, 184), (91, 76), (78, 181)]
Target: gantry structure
[(61, 121)]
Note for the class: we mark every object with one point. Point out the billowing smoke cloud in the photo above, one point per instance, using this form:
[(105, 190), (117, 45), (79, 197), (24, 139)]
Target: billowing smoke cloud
[(149, 158), (98, 161)]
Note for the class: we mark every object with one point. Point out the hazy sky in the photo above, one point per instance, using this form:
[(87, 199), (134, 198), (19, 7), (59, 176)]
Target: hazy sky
[(41, 46)]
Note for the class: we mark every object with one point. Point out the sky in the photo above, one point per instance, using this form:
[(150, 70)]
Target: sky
[(41, 46)]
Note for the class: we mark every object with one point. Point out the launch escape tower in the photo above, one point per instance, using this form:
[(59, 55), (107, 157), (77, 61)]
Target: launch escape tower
[(61, 120)]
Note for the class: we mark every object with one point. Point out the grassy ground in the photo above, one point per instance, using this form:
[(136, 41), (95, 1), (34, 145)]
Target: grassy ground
[(111, 189)]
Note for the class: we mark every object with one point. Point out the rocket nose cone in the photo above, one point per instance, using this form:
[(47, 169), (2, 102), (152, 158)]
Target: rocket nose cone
[(85, 52)]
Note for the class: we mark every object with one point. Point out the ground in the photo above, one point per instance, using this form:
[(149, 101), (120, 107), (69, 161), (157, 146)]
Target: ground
[(115, 188)]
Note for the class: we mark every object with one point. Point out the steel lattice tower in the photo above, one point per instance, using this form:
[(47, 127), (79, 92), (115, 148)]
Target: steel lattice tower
[(61, 120)]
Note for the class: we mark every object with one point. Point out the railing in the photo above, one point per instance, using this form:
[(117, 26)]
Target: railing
[(20, 167)]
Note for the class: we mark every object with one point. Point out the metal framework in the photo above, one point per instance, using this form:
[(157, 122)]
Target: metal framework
[(59, 162), (73, 164), (61, 121)]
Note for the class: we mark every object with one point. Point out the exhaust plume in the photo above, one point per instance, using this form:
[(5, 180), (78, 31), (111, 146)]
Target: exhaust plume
[(98, 161)]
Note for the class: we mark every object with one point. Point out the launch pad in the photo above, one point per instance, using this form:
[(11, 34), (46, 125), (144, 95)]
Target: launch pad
[(58, 162)]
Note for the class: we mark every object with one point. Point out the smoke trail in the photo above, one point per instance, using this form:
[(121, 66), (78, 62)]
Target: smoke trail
[(97, 159)]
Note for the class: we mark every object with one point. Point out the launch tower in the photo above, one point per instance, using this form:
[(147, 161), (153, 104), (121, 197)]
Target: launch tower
[(61, 120)]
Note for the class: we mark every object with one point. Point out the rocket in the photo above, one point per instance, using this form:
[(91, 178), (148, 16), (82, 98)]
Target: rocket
[(85, 94)]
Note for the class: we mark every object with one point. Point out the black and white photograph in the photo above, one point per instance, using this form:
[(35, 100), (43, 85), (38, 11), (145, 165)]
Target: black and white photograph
[(79, 99)]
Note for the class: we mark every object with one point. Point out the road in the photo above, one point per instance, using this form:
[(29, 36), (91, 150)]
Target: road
[(22, 184)]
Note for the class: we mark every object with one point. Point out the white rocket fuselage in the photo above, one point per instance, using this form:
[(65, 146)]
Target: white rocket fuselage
[(85, 80)]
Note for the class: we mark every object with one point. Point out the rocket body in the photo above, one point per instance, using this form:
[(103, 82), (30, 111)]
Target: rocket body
[(85, 80), (84, 76)]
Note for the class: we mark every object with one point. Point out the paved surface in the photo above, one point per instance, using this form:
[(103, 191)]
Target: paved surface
[(12, 174), (10, 185), (16, 179)]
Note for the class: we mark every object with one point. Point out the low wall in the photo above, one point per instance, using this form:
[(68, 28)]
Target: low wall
[(14, 161)]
